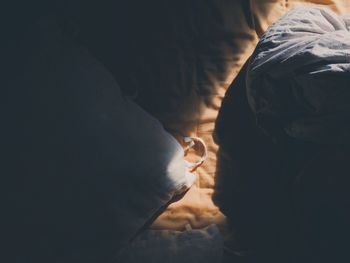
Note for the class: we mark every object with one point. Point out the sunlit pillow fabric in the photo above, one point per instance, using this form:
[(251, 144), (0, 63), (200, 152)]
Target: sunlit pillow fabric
[(101, 165), (298, 77)]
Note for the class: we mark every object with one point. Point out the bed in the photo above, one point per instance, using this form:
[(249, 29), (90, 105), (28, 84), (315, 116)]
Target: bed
[(178, 70)]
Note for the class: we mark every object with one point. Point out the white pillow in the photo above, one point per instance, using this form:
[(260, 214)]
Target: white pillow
[(107, 165)]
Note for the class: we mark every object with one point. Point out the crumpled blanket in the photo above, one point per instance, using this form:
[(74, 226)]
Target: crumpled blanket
[(298, 77)]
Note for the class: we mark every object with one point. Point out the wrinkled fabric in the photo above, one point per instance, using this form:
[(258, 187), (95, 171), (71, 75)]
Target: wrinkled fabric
[(182, 79), (298, 77)]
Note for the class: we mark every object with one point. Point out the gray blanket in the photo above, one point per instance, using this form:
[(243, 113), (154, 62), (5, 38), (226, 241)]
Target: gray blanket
[(298, 77)]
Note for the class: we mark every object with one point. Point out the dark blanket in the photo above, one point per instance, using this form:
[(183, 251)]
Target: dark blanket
[(286, 201)]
